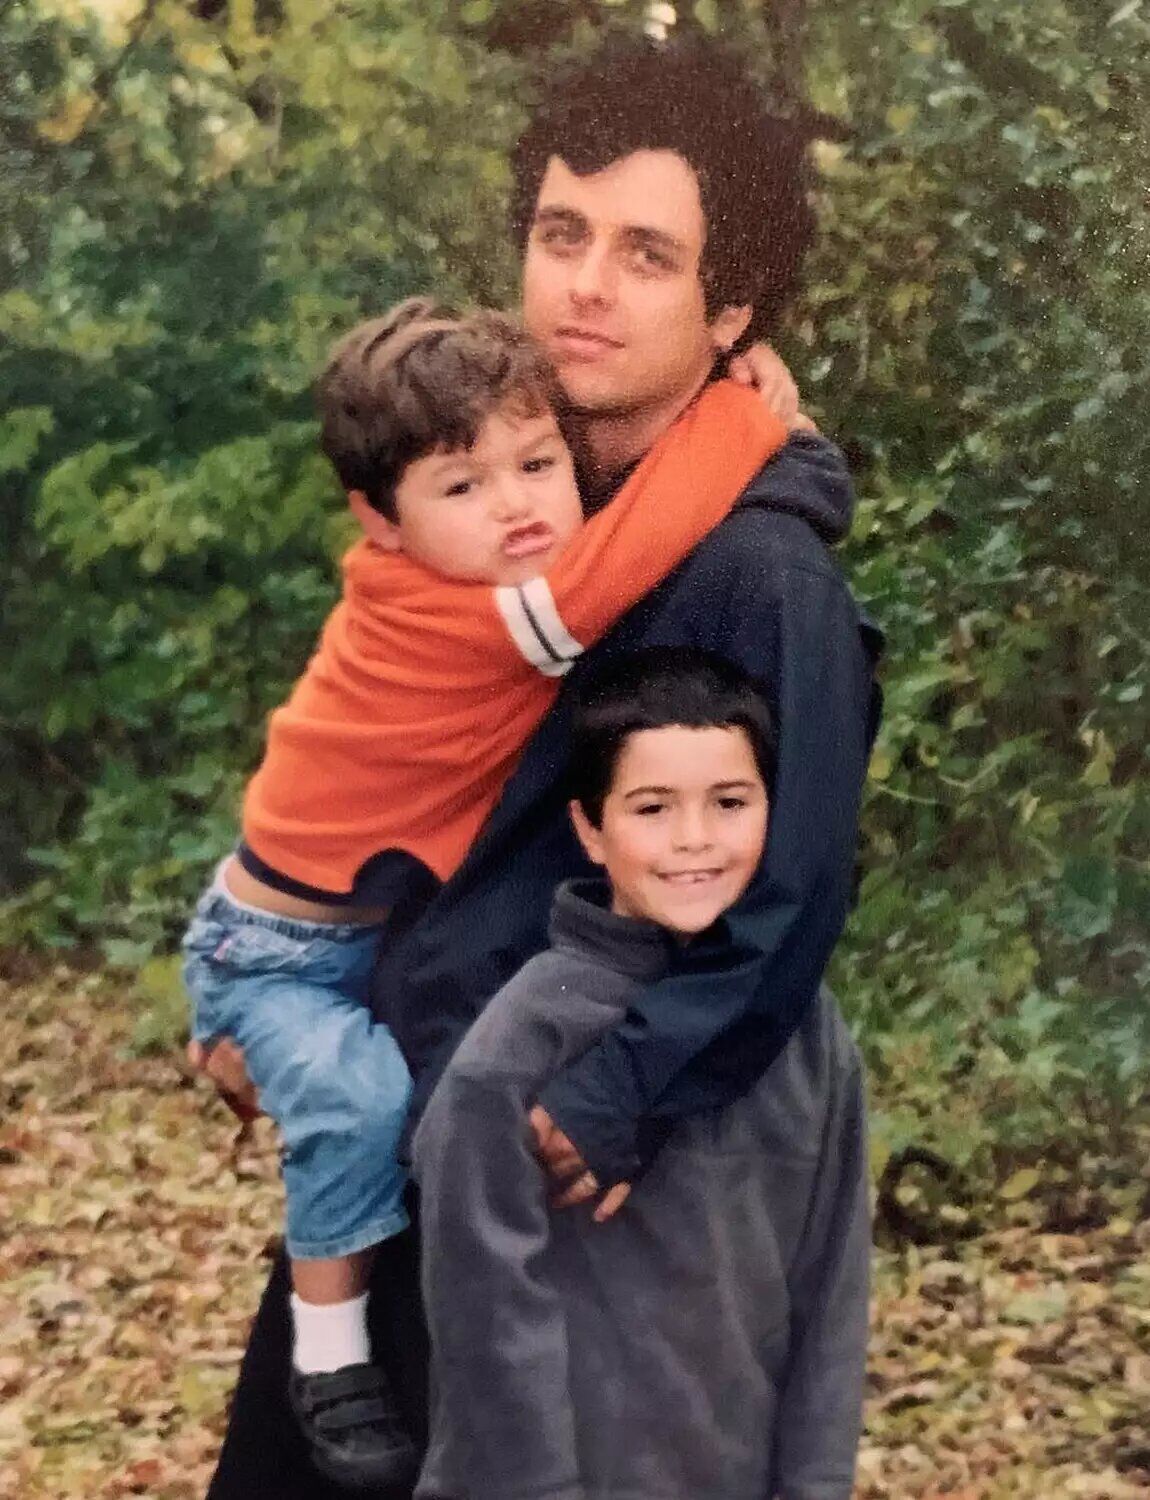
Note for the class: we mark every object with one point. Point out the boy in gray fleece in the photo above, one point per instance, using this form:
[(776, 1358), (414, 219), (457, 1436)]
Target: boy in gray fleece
[(708, 1342)]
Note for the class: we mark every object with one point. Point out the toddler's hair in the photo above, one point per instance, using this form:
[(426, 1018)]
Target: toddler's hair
[(656, 688), (421, 379)]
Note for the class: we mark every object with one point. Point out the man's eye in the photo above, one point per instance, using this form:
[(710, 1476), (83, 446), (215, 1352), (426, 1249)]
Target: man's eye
[(732, 804), (538, 465), (557, 236), (645, 258), (460, 487), (649, 809)]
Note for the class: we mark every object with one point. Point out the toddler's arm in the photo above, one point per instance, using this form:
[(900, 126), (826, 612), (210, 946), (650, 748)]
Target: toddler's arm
[(682, 489)]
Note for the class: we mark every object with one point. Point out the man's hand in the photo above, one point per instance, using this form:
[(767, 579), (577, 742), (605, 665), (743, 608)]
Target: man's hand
[(571, 1179), (224, 1064), (762, 369)]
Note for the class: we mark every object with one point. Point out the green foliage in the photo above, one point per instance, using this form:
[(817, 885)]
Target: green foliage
[(998, 966), (192, 208)]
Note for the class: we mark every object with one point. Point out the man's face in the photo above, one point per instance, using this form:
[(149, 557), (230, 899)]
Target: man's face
[(612, 286)]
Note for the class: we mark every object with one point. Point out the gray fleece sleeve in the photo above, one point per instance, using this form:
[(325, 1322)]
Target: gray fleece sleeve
[(502, 1423), (820, 1407), (501, 1408)]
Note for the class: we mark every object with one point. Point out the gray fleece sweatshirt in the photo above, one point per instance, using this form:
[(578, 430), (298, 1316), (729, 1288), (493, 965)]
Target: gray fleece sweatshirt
[(706, 1344)]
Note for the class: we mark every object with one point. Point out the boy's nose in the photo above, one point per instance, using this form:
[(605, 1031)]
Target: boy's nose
[(690, 830)]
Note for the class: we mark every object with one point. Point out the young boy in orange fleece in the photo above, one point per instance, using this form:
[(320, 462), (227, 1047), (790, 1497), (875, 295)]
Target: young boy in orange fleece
[(474, 588)]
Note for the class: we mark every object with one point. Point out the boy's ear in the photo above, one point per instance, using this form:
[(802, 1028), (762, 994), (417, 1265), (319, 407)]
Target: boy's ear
[(585, 831), (383, 532), (729, 327)]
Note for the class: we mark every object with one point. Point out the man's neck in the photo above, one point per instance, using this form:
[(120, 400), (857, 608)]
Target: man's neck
[(608, 444)]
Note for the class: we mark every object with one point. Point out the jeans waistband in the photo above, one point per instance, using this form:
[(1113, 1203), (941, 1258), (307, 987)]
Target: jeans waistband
[(218, 904)]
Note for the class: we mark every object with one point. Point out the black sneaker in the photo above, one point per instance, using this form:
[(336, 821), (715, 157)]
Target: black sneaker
[(352, 1427)]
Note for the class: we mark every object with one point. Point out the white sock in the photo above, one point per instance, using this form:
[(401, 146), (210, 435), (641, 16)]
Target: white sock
[(329, 1335)]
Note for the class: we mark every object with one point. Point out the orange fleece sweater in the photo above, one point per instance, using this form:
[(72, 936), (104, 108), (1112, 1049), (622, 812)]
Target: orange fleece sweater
[(423, 691)]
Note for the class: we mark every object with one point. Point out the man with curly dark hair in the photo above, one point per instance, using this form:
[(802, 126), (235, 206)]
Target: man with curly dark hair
[(663, 216)]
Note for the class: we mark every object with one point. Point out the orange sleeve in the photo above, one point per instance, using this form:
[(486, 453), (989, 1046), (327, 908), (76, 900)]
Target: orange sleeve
[(686, 484), (682, 489)]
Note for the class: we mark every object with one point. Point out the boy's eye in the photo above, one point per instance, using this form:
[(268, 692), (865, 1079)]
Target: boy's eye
[(649, 809), (731, 804), (460, 487), (538, 465)]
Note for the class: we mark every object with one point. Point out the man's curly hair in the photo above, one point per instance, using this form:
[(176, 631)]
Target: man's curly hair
[(692, 97)]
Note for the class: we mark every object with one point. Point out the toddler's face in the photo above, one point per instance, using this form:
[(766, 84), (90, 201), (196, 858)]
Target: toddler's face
[(499, 512), (683, 825)]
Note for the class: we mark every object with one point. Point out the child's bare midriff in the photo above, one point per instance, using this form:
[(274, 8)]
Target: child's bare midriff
[(246, 887)]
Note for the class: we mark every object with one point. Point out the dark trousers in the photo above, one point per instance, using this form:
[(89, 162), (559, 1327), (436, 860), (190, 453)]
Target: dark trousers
[(263, 1457)]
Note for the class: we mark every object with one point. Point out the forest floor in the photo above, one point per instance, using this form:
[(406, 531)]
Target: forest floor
[(133, 1242)]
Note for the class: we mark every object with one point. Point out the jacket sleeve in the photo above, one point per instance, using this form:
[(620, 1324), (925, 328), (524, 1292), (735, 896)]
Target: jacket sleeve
[(705, 1034), (821, 1396)]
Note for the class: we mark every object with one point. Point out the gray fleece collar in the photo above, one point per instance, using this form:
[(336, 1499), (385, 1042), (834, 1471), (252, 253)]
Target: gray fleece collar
[(583, 923)]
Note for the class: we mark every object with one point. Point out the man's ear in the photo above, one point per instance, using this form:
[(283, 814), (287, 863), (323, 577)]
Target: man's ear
[(585, 831), (383, 533), (728, 328)]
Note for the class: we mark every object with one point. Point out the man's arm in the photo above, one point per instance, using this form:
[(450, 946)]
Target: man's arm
[(704, 1035)]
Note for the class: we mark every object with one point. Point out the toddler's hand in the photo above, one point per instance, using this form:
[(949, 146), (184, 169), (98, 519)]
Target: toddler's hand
[(762, 369)]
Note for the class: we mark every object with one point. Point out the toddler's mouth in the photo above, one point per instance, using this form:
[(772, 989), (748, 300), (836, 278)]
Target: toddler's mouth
[(528, 541)]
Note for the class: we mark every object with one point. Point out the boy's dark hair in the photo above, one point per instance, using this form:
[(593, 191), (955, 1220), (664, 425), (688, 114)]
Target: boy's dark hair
[(418, 379), (692, 97), (656, 688)]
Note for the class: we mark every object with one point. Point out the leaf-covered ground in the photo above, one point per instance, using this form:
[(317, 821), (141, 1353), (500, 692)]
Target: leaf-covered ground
[(131, 1245)]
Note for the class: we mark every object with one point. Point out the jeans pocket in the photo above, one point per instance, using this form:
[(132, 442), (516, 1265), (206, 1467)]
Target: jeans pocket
[(203, 937), (255, 949)]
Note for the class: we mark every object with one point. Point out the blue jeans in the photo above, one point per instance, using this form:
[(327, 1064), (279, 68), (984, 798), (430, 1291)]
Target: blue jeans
[(294, 995)]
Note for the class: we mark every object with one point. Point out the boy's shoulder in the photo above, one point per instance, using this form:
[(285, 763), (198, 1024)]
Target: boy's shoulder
[(826, 1040), (788, 1111), (560, 967)]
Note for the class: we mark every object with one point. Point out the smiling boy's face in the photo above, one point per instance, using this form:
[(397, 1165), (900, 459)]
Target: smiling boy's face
[(683, 825), (499, 512)]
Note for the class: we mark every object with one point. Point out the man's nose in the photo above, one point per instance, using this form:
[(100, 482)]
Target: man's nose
[(593, 278)]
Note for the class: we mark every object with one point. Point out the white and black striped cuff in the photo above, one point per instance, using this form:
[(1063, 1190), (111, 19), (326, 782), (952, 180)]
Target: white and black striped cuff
[(529, 612)]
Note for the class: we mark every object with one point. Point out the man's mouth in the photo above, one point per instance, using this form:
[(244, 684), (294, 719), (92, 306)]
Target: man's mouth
[(583, 343), (528, 541)]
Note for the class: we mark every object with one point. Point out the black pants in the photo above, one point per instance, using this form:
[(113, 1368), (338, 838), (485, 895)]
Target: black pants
[(263, 1457)]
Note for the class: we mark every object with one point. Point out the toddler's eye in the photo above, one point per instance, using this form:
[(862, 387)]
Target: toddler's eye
[(460, 487), (538, 465)]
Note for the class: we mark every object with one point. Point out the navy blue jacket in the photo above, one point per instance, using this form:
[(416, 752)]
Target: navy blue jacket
[(764, 590)]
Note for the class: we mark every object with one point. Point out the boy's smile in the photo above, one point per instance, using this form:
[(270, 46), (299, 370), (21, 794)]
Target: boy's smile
[(499, 512), (683, 825)]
